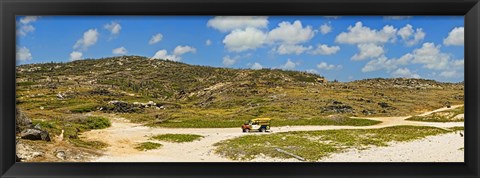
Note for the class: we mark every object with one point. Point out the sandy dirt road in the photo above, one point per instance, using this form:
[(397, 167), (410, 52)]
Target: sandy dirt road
[(122, 137)]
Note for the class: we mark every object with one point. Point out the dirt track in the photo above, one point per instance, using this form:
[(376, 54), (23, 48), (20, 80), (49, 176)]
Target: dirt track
[(122, 137)]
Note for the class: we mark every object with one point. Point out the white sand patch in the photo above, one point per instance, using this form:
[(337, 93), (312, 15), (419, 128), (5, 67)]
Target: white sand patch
[(439, 148)]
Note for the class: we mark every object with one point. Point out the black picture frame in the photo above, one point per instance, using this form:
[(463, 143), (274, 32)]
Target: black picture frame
[(10, 8)]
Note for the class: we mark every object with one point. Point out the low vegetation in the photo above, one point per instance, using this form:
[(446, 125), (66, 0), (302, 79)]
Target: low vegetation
[(88, 144), (442, 116), (72, 96), (178, 138), (148, 146), (314, 145)]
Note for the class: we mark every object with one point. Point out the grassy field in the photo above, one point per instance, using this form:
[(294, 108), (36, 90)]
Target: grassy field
[(314, 145), (177, 138), (148, 146), (442, 116)]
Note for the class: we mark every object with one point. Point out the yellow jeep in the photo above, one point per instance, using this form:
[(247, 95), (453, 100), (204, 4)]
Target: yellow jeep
[(260, 124)]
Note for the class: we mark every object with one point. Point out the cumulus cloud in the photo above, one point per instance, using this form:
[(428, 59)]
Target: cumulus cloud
[(361, 34), (325, 28), (155, 38), (24, 25), (28, 19), (23, 54), (256, 66), (246, 39), (289, 65), (228, 61), (89, 38), (455, 37), (120, 51), (113, 27), (292, 49), (431, 57), (291, 33), (456, 69), (411, 36), (383, 63), (163, 54), (325, 66), (404, 73), (76, 55), (230, 23), (368, 50), (312, 71), (323, 49), (180, 50), (177, 53), (208, 42)]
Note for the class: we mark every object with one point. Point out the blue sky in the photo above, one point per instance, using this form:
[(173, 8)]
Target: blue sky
[(345, 48)]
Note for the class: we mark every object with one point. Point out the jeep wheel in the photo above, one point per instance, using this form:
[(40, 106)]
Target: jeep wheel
[(262, 130), (246, 130)]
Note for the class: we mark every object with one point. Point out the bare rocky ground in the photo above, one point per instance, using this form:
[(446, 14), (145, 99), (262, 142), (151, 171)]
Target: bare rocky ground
[(122, 137)]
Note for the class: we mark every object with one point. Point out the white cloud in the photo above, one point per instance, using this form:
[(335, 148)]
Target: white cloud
[(180, 50), (256, 66), (228, 61), (410, 36), (230, 23), (289, 33), (76, 55), (289, 65), (163, 54), (404, 73), (455, 37), (431, 57), (89, 38), (323, 49), (458, 63), (325, 28), (361, 34), (325, 66), (383, 63), (313, 71), (456, 69), (113, 27), (292, 49), (208, 42), (24, 25), (23, 30), (242, 40), (28, 19), (155, 38), (23, 54), (120, 51), (177, 52), (451, 74), (368, 50)]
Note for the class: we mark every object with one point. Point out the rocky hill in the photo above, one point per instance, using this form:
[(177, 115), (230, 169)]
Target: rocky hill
[(159, 91)]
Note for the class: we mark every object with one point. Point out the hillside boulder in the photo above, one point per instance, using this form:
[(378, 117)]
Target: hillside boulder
[(22, 121), (35, 134)]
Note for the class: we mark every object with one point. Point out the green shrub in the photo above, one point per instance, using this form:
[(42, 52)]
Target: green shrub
[(93, 122), (84, 108), (148, 146), (179, 138)]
